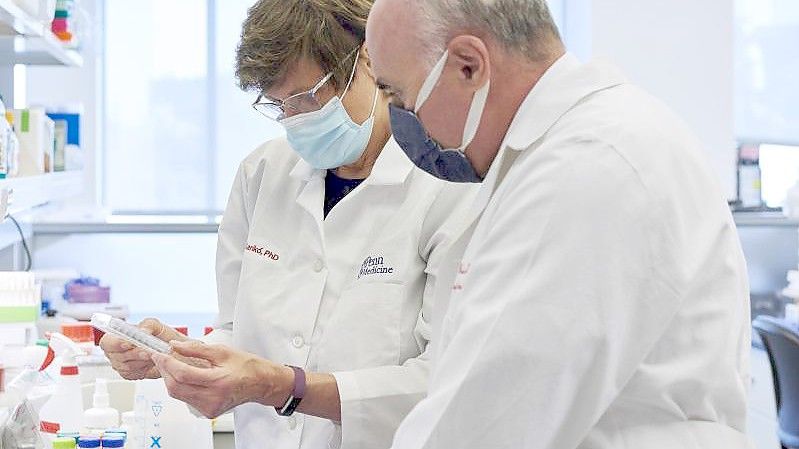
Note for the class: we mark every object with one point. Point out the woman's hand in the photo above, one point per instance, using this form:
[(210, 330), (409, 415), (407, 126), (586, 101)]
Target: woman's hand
[(232, 378), (131, 362)]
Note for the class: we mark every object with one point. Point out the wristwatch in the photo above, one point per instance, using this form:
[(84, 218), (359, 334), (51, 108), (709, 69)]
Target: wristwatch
[(296, 396)]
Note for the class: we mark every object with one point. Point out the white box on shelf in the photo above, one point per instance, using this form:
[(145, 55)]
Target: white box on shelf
[(36, 133)]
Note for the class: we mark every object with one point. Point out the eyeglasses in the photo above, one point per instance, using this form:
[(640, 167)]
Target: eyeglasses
[(300, 103)]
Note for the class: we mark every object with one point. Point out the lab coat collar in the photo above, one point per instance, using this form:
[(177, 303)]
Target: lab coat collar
[(391, 167), (560, 88)]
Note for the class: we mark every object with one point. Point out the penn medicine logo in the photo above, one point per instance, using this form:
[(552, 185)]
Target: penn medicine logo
[(374, 265)]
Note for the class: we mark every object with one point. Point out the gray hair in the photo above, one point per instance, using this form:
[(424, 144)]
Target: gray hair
[(522, 26)]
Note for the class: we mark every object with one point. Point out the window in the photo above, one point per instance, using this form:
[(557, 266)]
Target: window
[(766, 96), (767, 67), (176, 123)]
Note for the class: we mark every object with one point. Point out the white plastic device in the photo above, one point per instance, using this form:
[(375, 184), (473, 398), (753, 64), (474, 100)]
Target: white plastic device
[(129, 333)]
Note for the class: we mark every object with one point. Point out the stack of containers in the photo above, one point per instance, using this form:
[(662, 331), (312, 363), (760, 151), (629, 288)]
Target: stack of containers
[(61, 26), (19, 308)]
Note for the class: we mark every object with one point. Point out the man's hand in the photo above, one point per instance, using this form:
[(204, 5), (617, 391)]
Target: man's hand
[(231, 378), (130, 361)]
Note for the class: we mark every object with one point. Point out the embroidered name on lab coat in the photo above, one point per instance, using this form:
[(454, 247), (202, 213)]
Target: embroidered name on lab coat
[(261, 251), (374, 265)]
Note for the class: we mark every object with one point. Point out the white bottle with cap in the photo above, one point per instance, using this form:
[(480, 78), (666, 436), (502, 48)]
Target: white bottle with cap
[(64, 410), (101, 416)]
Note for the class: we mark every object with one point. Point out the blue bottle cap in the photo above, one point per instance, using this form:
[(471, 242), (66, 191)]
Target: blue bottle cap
[(107, 435), (88, 442), (115, 441)]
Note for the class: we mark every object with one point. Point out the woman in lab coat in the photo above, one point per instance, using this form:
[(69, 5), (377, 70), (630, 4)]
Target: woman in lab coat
[(326, 255)]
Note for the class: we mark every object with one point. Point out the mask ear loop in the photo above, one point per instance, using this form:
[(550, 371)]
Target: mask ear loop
[(349, 83), (352, 76), (475, 114), (430, 82), (374, 102)]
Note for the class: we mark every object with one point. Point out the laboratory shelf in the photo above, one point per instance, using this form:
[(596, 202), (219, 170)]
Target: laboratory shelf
[(47, 228), (26, 40), (773, 219), (33, 191), (15, 21)]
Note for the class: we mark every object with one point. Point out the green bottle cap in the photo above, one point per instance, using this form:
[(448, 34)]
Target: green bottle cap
[(64, 443)]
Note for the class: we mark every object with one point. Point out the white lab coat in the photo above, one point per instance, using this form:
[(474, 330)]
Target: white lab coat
[(350, 294), (601, 299)]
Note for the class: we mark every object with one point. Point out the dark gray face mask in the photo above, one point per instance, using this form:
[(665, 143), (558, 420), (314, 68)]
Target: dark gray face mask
[(425, 152)]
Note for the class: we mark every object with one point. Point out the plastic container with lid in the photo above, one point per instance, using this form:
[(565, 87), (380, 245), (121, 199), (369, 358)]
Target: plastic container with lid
[(64, 443), (88, 441), (113, 441), (80, 332)]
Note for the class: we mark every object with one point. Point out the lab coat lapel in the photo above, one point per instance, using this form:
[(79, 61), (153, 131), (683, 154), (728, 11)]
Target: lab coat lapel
[(561, 88), (311, 192), (388, 176)]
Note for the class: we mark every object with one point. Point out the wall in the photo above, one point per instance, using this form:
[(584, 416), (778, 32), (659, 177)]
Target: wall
[(679, 50)]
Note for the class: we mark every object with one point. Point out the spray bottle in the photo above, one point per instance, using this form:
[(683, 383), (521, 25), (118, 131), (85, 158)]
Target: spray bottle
[(64, 410)]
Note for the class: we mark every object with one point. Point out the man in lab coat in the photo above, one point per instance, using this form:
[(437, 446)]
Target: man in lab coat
[(598, 296)]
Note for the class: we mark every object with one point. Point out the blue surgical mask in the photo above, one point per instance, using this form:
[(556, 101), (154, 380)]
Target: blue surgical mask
[(329, 138), (425, 152)]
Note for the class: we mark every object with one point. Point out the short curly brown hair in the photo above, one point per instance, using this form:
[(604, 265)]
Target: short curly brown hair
[(278, 33)]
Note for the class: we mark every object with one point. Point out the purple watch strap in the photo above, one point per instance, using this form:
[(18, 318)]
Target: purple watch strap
[(299, 382), (296, 396)]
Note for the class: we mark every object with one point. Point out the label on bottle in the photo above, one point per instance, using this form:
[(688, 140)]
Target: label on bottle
[(49, 427)]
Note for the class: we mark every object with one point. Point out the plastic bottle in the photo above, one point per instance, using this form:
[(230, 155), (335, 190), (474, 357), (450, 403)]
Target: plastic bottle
[(64, 410), (101, 416), (5, 131), (36, 355), (134, 428), (749, 176), (167, 420), (12, 148)]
